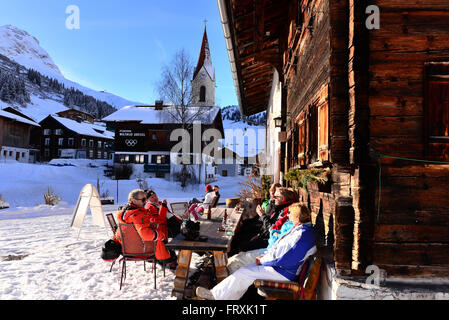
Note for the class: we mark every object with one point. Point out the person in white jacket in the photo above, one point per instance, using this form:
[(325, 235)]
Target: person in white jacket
[(282, 262), (201, 206)]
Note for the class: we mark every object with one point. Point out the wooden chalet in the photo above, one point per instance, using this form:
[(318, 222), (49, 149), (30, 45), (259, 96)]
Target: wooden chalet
[(77, 115), (67, 138), (142, 136), (15, 138), (372, 105)]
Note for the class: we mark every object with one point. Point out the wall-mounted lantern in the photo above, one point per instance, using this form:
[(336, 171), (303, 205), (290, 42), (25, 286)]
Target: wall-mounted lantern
[(278, 122)]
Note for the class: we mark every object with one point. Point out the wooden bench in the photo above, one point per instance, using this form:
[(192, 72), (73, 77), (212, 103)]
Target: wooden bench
[(303, 289)]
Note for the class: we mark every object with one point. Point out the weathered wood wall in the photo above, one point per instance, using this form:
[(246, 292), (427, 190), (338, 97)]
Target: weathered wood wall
[(14, 133), (315, 66), (373, 82), (411, 236)]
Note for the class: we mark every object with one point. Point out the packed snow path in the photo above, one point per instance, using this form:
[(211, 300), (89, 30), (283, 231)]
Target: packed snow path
[(42, 258)]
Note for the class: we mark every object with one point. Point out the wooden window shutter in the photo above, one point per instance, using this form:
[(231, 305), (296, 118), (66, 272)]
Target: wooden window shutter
[(301, 120), (323, 132), (312, 133), (436, 111), (295, 144)]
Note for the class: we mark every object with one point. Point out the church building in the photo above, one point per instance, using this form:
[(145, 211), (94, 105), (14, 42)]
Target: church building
[(203, 82)]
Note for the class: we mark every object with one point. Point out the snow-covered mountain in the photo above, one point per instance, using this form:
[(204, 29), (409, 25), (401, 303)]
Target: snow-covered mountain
[(19, 46), (21, 52)]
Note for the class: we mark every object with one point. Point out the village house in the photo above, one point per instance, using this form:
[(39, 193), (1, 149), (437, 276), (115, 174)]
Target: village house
[(367, 104), (142, 139), (67, 138), (77, 115), (15, 129), (229, 166)]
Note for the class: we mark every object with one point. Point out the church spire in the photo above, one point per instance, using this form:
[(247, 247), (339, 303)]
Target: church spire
[(204, 58), (203, 82)]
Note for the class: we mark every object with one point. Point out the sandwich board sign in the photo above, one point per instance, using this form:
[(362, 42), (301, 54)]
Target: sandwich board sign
[(88, 199)]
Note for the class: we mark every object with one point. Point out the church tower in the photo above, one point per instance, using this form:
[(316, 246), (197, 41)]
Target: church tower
[(203, 82)]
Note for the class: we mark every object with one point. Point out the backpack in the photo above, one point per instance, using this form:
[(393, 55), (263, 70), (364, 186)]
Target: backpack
[(111, 250)]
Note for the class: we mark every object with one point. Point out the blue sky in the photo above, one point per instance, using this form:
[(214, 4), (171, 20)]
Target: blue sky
[(121, 46)]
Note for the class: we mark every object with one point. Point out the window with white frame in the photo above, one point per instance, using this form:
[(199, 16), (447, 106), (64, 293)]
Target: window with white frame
[(71, 142), (91, 154), (99, 155), (58, 132), (91, 143), (47, 132), (60, 141), (99, 144), (47, 141), (83, 142), (124, 158), (139, 158)]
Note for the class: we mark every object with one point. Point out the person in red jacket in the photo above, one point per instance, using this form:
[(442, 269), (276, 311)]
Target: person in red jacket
[(158, 215), (135, 213)]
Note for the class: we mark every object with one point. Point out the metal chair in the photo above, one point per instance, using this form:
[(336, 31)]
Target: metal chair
[(112, 222), (179, 209), (135, 249), (214, 202), (114, 227)]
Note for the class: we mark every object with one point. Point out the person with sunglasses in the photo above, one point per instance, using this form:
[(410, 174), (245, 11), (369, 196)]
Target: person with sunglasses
[(134, 212)]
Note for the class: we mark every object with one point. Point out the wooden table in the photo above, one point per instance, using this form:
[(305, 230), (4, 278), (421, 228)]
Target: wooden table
[(219, 243)]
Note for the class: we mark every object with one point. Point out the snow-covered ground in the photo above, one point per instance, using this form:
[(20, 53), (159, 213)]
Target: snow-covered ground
[(41, 257)]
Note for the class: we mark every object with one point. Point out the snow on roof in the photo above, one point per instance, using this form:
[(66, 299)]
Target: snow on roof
[(149, 115), (10, 115), (83, 128)]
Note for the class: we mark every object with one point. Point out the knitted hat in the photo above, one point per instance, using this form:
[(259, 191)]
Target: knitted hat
[(209, 188), (149, 193)]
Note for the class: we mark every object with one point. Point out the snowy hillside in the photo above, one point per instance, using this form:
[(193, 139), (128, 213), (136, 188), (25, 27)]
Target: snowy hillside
[(249, 137), (22, 58), (233, 113)]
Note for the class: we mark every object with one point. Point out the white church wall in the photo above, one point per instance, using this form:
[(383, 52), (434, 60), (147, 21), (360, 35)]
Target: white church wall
[(272, 140)]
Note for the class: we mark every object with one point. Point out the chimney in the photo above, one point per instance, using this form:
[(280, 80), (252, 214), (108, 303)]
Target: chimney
[(158, 105)]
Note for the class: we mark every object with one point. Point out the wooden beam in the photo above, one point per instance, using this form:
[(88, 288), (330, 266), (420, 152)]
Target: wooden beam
[(411, 233)]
